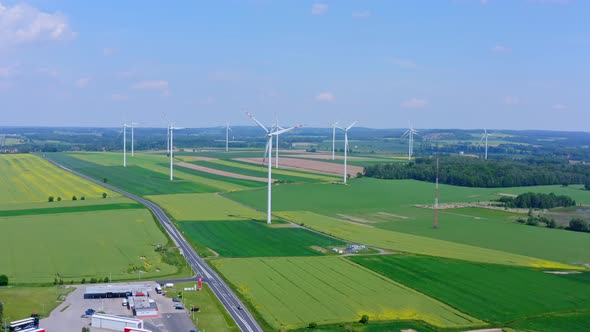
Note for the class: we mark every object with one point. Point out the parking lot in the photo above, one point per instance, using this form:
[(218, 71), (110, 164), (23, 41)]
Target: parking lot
[(68, 316)]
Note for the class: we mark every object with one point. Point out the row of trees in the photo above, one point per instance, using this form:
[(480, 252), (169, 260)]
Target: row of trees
[(475, 172), (537, 201), (74, 198)]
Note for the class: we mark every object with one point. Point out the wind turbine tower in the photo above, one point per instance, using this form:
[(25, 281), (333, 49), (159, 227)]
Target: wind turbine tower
[(124, 144), (171, 129), (346, 148), (227, 130), (334, 126), (485, 137), (276, 127), (410, 135), (268, 151)]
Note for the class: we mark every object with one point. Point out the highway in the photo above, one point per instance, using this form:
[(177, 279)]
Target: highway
[(226, 296)]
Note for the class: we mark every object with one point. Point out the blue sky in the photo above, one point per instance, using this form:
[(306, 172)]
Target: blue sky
[(514, 64)]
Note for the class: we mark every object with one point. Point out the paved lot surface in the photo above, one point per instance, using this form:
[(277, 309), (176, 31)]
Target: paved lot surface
[(67, 316)]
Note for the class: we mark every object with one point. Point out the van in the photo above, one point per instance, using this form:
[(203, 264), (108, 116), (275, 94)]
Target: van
[(124, 303)]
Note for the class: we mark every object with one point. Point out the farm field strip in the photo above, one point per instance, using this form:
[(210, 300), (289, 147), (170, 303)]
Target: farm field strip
[(397, 241), (221, 182), (195, 207), (249, 238), (91, 244), (261, 173), (494, 293), (70, 209), (308, 165), (220, 172), (64, 203), (29, 178), (251, 165), (574, 321), (330, 290)]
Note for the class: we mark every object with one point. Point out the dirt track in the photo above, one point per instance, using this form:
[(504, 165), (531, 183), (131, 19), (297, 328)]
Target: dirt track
[(310, 165), (218, 172)]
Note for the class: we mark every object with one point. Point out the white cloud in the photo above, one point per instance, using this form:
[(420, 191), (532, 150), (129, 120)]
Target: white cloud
[(559, 107), (361, 14), (108, 51), (325, 96), (415, 103), (118, 97), (24, 24), (404, 63), (501, 49), (511, 100), (319, 8), (161, 86), (83, 82), (8, 71)]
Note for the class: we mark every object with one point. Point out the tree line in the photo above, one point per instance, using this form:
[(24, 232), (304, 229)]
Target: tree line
[(475, 172), (537, 201)]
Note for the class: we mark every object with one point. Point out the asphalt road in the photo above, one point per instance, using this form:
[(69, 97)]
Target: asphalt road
[(226, 296)]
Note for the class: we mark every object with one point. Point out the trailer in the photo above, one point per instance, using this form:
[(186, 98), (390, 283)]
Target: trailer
[(115, 323)]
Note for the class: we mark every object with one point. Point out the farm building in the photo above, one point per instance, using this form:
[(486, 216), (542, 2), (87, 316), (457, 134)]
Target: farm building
[(110, 291), (355, 248), (115, 323), (143, 306)]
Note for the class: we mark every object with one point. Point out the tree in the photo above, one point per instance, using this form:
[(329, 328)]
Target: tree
[(364, 319), (587, 185), (104, 180), (104, 195), (551, 223), (3, 280), (82, 198), (105, 280), (58, 198), (83, 281), (312, 325), (85, 329), (74, 198), (578, 225), (50, 199)]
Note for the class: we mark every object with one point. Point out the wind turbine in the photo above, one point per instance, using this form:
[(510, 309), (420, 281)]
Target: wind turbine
[(268, 151), (227, 130), (132, 125), (125, 125), (276, 127), (346, 147), (171, 129), (410, 134), (334, 126), (485, 136)]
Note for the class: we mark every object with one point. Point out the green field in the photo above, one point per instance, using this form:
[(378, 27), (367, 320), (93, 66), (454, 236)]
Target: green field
[(62, 204), (292, 292), (397, 241), (20, 302), (29, 178), (372, 195), (204, 207), (255, 239), (71, 209), (578, 321), (134, 179), (212, 315), (84, 244), (493, 293), (492, 229), (237, 183)]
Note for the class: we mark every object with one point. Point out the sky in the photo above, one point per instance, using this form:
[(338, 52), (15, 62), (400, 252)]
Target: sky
[(468, 64)]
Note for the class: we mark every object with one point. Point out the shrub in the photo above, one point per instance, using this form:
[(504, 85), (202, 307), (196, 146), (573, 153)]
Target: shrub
[(50, 199), (83, 281), (312, 325), (58, 199), (104, 195), (578, 225), (74, 198), (3, 280), (551, 224), (82, 198), (364, 319)]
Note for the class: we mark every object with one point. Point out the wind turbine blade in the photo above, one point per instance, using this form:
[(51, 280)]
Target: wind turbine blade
[(257, 122), (405, 133), (284, 130), (265, 152), (352, 124), (335, 124)]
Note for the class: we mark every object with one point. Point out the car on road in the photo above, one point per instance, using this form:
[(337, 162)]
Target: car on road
[(178, 307), (239, 307), (175, 299)]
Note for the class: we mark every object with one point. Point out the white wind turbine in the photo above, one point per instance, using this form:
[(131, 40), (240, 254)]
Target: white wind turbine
[(132, 126), (334, 126), (171, 130), (227, 130), (268, 151), (276, 127), (125, 125), (485, 136), (410, 134), (346, 147)]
